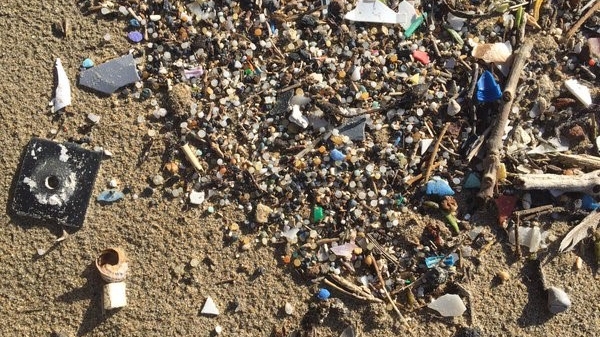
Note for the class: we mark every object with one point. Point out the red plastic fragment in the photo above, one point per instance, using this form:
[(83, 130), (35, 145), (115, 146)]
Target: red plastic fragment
[(421, 56), (506, 205)]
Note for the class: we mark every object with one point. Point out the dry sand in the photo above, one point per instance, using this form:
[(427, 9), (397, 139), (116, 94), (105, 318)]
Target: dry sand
[(61, 292)]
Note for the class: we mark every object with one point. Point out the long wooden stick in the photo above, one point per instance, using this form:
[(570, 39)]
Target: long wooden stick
[(436, 148), (494, 143), (387, 294)]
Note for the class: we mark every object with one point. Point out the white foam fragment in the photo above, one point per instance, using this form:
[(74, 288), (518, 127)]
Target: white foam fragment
[(210, 308), (580, 91), (196, 197), (62, 94), (298, 118), (449, 305)]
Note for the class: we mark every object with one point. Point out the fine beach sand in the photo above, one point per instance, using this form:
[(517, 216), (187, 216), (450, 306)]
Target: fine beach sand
[(61, 291)]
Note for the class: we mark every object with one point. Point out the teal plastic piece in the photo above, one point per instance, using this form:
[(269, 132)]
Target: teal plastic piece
[(415, 25)]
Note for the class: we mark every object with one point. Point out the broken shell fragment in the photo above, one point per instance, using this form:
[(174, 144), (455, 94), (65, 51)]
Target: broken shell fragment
[(492, 52), (112, 265), (62, 97), (580, 91)]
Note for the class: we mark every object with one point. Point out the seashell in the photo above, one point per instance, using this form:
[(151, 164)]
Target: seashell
[(112, 265), (492, 52), (62, 96)]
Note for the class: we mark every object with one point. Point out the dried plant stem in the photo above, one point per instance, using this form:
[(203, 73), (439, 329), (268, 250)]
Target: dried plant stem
[(517, 245), (494, 144), (387, 294), (436, 148)]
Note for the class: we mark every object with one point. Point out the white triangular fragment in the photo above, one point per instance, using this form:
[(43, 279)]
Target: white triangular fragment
[(372, 11), (62, 95), (580, 91), (297, 118), (210, 308), (449, 305), (344, 250), (425, 143), (530, 237), (406, 14)]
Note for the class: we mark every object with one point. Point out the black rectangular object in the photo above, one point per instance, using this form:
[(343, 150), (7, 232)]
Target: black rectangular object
[(55, 182)]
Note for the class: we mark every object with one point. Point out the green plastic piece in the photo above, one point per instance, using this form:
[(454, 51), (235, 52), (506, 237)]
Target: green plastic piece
[(318, 214), (452, 222), (456, 36), (415, 25)]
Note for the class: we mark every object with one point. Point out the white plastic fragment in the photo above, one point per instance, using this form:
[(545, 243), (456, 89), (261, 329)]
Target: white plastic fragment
[(455, 22), (210, 308), (532, 237), (298, 118), (580, 91), (115, 295), (344, 250), (425, 143), (406, 14), (449, 305), (356, 76), (62, 95), (492, 52), (196, 197), (558, 300), (93, 118), (372, 11), (218, 329), (289, 308)]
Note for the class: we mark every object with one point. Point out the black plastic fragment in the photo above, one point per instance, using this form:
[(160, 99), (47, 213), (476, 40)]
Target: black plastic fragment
[(110, 76), (55, 182)]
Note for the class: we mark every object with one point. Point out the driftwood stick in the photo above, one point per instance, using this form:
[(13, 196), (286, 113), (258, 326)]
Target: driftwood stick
[(588, 183), (436, 148), (582, 161), (582, 20), (494, 143)]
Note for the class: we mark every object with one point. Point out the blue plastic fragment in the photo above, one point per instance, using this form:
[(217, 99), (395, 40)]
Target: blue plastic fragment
[(135, 36), (472, 181), (337, 155), (432, 261), (323, 294), (588, 203), (134, 23), (488, 89), (439, 187), (110, 196), (87, 63)]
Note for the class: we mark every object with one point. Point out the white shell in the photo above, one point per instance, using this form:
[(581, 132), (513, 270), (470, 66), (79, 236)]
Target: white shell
[(62, 95), (558, 300), (449, 305), (492, 52), (580, 91), (210, 308), (115, 295)]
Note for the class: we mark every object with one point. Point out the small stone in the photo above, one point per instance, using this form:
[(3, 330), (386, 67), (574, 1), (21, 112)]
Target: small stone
[(262, 213), (453, 107), (194, 263), (93, 118), (218, 329), (503, 276), (289, 308), (158, 180)]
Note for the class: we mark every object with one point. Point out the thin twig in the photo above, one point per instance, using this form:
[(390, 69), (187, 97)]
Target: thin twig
[(387, 294), (418, 177), (436, 148), (382, 250), (517, 245)]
